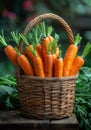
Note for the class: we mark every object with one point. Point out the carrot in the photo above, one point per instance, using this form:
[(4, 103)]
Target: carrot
[(50, 38), (45, 42), (39, 50), (46, 37), (54, 47), (50, 56), (37, 56), (70, 55), (54, 58), (38, 66), (9, 50), (48, 65), (56, 36), (29, 53), (57, 51), (36, 40), (79, 60), (29, 48), (58, 67), (24, 64)]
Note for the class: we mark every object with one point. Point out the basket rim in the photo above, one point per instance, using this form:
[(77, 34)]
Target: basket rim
[(50, 78)]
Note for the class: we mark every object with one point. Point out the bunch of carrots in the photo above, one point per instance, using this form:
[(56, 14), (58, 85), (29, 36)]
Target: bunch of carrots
[(42, 56)]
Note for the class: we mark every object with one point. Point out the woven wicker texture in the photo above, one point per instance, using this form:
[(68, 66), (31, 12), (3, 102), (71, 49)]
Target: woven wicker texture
[(51, 98)]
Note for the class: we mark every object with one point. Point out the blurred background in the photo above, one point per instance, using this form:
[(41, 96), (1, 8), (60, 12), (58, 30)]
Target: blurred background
[(15, 14)]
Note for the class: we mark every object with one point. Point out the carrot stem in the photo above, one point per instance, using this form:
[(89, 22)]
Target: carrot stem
[(16, 37), (53, 46), (2, 39), (86, 50), (43, 29), (49, 31), (77, 39), (23, 37), (18, 53)]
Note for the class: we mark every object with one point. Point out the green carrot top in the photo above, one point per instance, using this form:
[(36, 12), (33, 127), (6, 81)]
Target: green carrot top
[(24, 38), (35, 35), (16, 37), (86, 50), (45, 31), (60, 54), (77, 39), (2, 39)]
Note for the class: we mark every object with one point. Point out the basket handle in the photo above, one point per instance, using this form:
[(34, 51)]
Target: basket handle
[(39, 18)]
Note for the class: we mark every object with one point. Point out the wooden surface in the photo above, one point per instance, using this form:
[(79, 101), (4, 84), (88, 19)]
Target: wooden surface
[(13, 120)]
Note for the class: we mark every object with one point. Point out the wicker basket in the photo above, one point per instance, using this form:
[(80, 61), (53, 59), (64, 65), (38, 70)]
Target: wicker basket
[(46, 98)]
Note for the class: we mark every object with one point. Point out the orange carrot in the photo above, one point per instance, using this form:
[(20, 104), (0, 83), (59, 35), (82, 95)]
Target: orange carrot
[(53, 48), (38, 66), (58, 67), (53, 45), (34, 36), (79, 61), (39, 50), (11, 54), (70, 56), (54, 58), (45, 42), (77, 64), (57, 51), (47, 38), (48, 65), (29, 53), (37, 61), (50, 38), (9, 50), (25, 65), (29, 48)]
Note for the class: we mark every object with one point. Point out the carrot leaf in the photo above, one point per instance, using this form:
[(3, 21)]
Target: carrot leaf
[(56, 37), (16, 37), (43, 29), (86, 50), (49, 31), (35, 35), (77, 39), (23, 37), (18, 52), (53, 46), (49, 49), (2, 39), (60, 54), (46, 31), (30, 37)]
